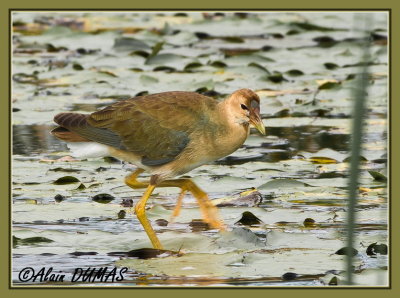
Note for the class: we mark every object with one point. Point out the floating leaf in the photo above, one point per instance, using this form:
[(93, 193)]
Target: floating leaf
[(322, 160), (156, 49), (277, 78), (359, 64), (84, 253), (108, 73), (237, 160), (313, 27), (192, 65), (277, 35), (251, 200), (77, 66), (374, 249), (66, 180), (351, 76), (141, 93), (238, 51), (161, 222), (59, 198), (24, 78), (67, 170), (378, 176), (110, 159), (328, 175), (166, 69), (240, 237), (282, 183), (347, 251), (248, 219), (81, 186), (202, 35), (146, 253), (218, 64), (331, 66), (147, 80), (256, 65), (163, 59), (329, 85), (141, 53), (31, 201), (309, 222), (103, 198), (129, 44), (362, 159), (325, 41), (182, 38), (127, 203), (30, 240), (282, 223), (52, 49), (181, 14), (293, 32), (136, 69), (121, 214), (333, 281), (266, 48), (233, 39), (289, 276), (295, 73)]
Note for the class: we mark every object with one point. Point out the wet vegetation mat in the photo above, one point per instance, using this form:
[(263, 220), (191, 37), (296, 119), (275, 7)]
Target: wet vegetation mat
[(283, 196)]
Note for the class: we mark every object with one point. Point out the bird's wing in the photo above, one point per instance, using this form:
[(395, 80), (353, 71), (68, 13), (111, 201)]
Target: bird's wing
[(156, 127)]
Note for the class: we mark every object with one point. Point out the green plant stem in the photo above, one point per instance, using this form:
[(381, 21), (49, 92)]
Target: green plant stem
[(360, 97)]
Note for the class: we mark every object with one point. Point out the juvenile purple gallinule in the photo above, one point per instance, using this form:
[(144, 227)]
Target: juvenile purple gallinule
[(166, 134)]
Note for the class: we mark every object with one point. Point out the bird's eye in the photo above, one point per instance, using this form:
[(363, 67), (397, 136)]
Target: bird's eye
[(244, 107)]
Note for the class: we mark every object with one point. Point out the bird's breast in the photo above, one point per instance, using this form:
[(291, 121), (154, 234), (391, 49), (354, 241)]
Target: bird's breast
[(220, 143), (204, 147)]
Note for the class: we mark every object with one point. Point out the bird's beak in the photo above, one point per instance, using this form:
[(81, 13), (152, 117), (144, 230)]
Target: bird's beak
[(255, 119)]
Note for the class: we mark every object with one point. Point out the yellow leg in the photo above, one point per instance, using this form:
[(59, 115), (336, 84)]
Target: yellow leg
[(208, 210), (141, 215), (178, 206), (132, 181)]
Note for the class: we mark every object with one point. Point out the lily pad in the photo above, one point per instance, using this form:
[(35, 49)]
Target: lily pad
[(145, 253), (66, 180), (103, 198), (282, 183), (248, 219), (378, 176)]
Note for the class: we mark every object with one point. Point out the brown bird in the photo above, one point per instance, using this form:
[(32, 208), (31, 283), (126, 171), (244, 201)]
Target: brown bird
[(166, 134)]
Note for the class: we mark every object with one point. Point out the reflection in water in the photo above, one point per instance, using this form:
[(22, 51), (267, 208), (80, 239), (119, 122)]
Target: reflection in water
[(311, 138), (35, 139)]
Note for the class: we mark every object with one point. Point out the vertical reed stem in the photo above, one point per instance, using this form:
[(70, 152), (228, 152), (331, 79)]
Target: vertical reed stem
[(360, 97)]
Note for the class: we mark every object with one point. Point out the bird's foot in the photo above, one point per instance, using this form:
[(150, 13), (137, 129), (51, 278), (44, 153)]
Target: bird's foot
[(210, 214)]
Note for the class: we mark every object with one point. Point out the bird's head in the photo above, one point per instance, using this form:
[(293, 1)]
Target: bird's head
[(245, 108)]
